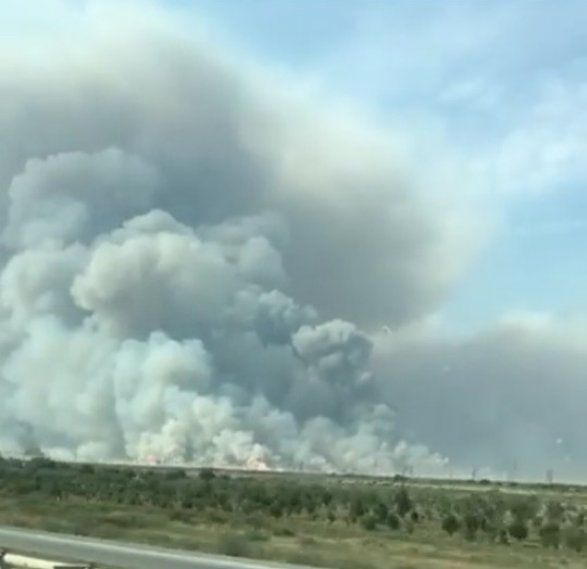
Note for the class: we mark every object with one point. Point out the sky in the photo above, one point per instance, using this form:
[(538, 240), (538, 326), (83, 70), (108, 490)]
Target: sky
[(336, 235)]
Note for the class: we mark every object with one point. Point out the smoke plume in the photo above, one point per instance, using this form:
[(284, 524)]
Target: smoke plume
[(191, 256), (203, 262)]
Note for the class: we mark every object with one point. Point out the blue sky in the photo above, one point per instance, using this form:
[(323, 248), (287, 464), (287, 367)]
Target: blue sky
[(499, 85)]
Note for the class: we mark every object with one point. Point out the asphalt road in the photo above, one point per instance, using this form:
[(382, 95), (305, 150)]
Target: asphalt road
[(118, 554)]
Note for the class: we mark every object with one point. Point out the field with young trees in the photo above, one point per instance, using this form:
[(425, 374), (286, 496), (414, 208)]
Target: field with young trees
[(331, 521)]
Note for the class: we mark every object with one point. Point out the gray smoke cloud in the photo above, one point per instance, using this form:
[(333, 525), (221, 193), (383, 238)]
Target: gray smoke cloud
[(185, 249)]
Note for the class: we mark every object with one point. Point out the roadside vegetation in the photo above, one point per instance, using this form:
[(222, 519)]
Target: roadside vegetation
[(325, 521)]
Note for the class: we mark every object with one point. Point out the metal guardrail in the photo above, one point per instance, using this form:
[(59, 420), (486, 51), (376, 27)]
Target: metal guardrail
[(10, 560)]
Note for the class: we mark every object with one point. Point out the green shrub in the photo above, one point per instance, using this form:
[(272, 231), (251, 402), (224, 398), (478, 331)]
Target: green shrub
[(256, 535), (234, 545), (451, 524), (575, 538), (381, 511), (180, 516), (216, 517), (283, 532), (175, 474), (207, 474), (550, 534), (86, 469), (369, 522), (306, 540), (403, 502), (503, 538), (276, 509), (256, 520), (518, 529), (525, 508), (471, 525), (356, 509), (393, 521), (555, 511)]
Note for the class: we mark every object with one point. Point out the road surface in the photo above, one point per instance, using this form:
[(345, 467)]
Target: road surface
[(118, 554)]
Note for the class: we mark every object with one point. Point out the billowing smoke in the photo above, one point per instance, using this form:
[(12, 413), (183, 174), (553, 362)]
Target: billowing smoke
[(197, 259), (185, 249)]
